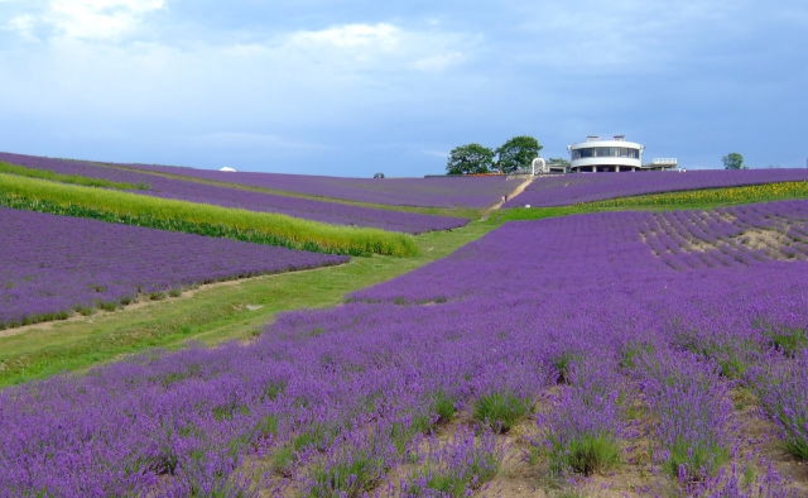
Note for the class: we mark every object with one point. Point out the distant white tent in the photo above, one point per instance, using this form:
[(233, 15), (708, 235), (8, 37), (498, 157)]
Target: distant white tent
[(228, 168)]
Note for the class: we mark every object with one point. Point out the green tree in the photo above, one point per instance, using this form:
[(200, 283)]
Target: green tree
[(470, 159), (733, 160), (517, 153)]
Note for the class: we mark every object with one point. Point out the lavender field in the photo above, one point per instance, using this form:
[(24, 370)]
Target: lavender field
[(170, 188), (78, 168), (586, 187), (52, 265), (443, 192), (619, 354)]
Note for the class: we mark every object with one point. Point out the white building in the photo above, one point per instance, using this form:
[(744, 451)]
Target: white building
[(614, 154)]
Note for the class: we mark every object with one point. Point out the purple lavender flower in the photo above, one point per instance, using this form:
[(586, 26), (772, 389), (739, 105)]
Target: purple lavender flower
[(492, 317), (782, 385), (583, 426), (586, 187), (445, 192), (693, 409), (53, 265), (456, 467), (221, 195)]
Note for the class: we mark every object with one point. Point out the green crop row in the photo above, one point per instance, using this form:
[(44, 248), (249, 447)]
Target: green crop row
[(14, 169), (204, 219)]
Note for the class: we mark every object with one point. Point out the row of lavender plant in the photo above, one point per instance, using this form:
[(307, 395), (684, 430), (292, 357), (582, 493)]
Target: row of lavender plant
[(169, 188), (436, 191), (693, 409), (333, 402), (79, 168), (54, 265), (729, 318), (587, 187), (331, 411), (581, 433), (782, 388), (730, 236)]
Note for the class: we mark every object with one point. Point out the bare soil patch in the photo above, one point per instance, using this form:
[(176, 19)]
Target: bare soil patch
[(763, 239)]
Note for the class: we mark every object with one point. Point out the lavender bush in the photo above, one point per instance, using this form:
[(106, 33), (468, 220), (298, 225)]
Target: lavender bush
[(53, 265), (693, 409), (754, 479), (782, 386), (353, 467), (455, 468), (280, 413), (587, 187), (584, 425)]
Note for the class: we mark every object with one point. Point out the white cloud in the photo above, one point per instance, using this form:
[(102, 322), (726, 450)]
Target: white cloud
[(230, 90), (24, 25), (99, 19), (381, 36), (285, 81), (380, 46), (85, 19)]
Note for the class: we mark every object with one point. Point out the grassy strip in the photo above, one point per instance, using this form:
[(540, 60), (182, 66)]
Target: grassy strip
[(212, 314), (690, 199), (203, 219), (14, 169)]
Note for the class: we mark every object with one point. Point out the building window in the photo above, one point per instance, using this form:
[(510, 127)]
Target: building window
[(624, 152)]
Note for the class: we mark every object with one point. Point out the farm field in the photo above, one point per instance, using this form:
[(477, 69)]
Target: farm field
[(601, 354), (56, 265), (210, 314), (444, 375), (587, 187), (441, 192), (204, 219), (229, 195)]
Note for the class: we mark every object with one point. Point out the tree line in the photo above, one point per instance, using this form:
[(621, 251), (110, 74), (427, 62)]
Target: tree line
[(514, 155)]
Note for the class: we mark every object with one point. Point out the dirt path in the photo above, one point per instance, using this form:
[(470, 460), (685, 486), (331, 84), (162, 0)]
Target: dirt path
[(516, 191)]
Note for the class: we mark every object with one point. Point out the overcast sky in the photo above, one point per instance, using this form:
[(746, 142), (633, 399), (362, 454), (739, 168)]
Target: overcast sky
[(355, 87)]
